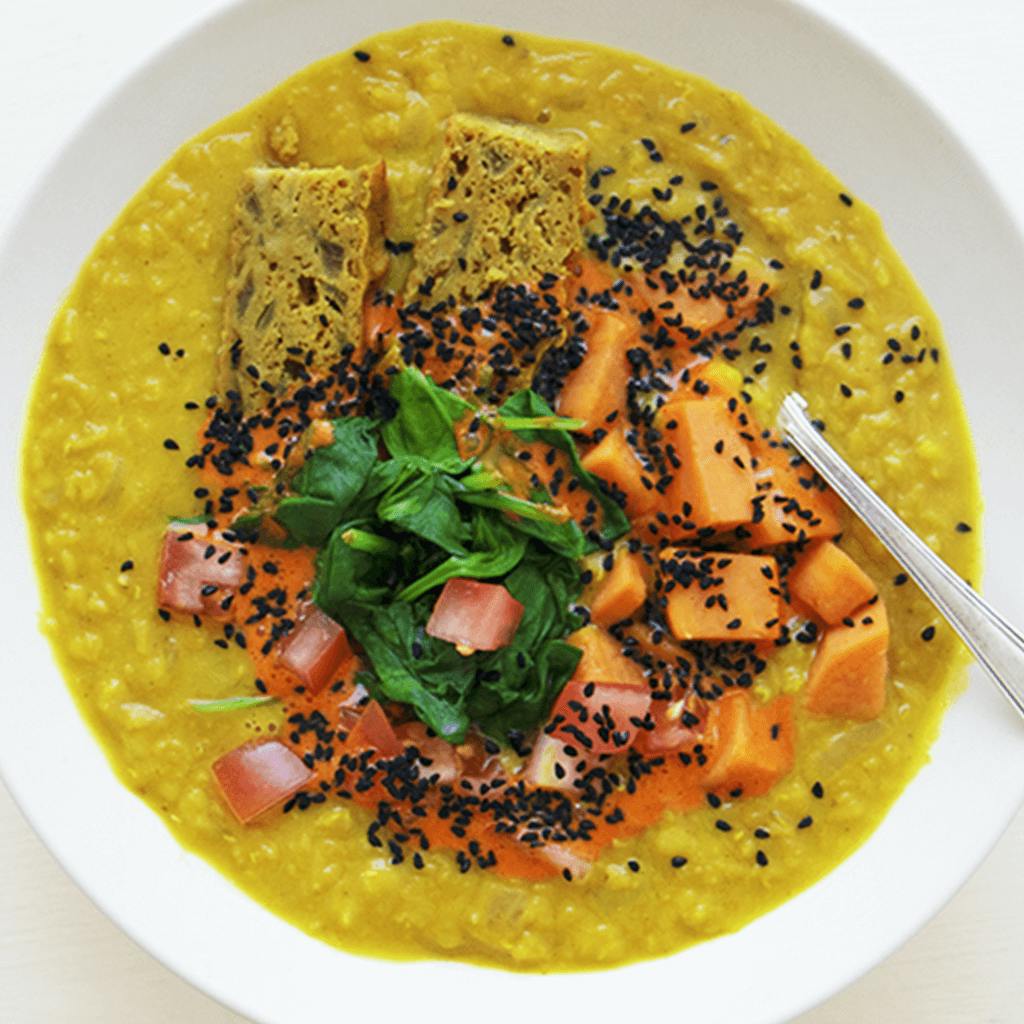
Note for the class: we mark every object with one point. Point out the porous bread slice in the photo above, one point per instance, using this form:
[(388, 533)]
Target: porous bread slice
[(306, 244), (505, 206)]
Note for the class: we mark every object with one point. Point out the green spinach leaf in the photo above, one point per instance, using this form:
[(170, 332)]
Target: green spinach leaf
[(414, 668), (529, 405), (563, 537), (337, 472), (308, 520), (496, 550), (519, 683), (422, 502), (346, 573), (423, 426)]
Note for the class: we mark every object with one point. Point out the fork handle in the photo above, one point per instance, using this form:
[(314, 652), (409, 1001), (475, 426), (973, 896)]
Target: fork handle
[(998, 647)]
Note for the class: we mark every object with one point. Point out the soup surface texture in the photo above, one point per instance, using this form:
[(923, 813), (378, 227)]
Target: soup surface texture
[(119, 402)]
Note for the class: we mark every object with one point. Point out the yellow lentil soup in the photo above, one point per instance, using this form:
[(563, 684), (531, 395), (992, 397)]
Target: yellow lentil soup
[(144, 412)]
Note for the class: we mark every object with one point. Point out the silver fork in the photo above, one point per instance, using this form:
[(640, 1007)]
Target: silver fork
[(998, 647)]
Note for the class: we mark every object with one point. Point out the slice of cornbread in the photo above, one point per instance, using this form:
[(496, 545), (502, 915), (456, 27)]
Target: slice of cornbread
[(505, 206), (306, 245)]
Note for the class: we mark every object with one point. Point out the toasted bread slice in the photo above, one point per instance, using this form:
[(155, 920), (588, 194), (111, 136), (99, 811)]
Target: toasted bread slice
[(505, 206), (306, 245)]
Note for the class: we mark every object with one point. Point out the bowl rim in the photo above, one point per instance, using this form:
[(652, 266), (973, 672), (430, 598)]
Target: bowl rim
[(55, 834)]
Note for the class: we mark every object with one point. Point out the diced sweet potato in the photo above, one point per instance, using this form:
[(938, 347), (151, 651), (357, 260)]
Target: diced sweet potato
[(614, 461), (721, 595), (603, 660), (848, 673), (790, 504), (622, 591), (713, 484), (751, 745), (597, 387), (830, 582)]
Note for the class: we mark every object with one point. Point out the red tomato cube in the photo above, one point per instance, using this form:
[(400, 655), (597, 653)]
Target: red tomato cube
[(315, 649), (258, 776), (481, 616)]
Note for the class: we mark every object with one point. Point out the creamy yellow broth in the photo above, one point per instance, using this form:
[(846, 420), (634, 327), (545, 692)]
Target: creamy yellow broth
[(99, 486)]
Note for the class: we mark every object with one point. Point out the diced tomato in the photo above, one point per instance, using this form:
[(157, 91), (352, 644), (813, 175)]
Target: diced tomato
[(374, 731), (258, 776), (677, 723), (599, 718), (193, 560), (438, 760), (557, 765), (315, 649), (481, 616)]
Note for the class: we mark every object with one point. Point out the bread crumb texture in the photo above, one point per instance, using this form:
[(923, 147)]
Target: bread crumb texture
[(505, 206), (306, 245)]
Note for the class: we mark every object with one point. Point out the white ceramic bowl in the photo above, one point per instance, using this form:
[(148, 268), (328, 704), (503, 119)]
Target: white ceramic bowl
[(892, 152)]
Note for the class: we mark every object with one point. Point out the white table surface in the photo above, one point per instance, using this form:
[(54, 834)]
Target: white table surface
[(61, 960)]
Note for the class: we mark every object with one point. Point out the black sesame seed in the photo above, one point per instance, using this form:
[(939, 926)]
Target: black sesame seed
[(127, 565), (723, 826), (361, 55), (806, 822), (633, 866), (762, 859), (962, 527), (928, 633), (817, 790), (508, 40), (678, 862), (845, 199), (899, 579), (171, 445), (687, 126)]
